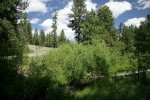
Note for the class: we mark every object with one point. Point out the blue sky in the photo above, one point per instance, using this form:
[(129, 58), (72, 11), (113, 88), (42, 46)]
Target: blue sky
[(126, 11)]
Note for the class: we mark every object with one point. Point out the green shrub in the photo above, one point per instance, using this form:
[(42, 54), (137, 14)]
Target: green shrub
[(74, 62)]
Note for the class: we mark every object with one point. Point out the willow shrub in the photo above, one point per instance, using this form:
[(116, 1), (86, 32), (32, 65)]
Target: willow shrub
[(77, 62)]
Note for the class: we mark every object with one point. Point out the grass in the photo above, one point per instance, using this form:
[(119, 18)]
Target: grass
[(119, 88), (38, 50)]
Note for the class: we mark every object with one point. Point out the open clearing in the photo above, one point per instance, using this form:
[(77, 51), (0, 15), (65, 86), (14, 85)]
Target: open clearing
[(38, 50)]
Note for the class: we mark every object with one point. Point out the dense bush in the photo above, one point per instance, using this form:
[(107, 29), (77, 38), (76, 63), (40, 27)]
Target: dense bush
[(73, 65), (75, 62)]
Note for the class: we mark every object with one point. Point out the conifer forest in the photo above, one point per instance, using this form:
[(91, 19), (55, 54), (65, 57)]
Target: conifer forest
[(104, 62)]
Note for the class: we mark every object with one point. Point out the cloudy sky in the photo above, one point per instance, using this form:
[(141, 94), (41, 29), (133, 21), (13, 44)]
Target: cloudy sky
[(126, 11)]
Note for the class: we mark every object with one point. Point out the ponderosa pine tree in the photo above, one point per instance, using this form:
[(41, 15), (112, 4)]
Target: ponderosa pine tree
[(36, 37), (30, 36), (42, 38), (106, 20), (62, 38), (99, 26), (27, 28), (128, 38), (54, 27), (77, 18), (120, 28), (92, 30), (49, 40), (22, 36)]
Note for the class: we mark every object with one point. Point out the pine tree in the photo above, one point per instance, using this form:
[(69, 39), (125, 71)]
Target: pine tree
[(54, 27), (11, 49), (142, 44), (49, 40), (128, 39), (106, 20), (9, 32), (79, 11), (36, 37), (92, 30), (62, 38), (106, 17), (30, 39), (25, 30), (99, 26), (22, 35), (120, 29), (42, 38)]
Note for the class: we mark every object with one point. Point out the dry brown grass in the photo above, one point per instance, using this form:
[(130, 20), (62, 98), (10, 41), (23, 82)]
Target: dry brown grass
[(38, 50)]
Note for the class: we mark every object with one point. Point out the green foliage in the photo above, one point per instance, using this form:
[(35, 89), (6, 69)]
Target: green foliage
[(128, 39), (30, 37), (70, 67), (42, 38), (36, 37), (75, 62), (11, 50), (62, 38), (106, 17), (91, 33), (49, 40), (26, 28), (142, 41), (122, 63), (99, 25), (54, 27), (115, 88), (106, 20), (77, 18)]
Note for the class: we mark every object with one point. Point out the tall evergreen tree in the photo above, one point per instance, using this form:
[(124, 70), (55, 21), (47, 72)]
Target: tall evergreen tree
[(106, 20), (128, 38), (42, 38), (106, 17), (30, 36), (120, 28), (79, 11), (142, 43), (11, 50), (49, 40), (27, 28), (54, 27), (92, 30), (36, 37), (62, 38), (22, 35), (99, 26)]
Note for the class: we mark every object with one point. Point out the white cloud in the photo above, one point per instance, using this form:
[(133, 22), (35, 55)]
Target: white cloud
[(34, 21), (118, 8), (143, 4), (90, 5), (63, 19), (37, 6), (47, 25), (135, 21)]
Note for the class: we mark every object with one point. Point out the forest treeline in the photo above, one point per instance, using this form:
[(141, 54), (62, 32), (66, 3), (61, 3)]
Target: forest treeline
[(39, 37), (65, 73)]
